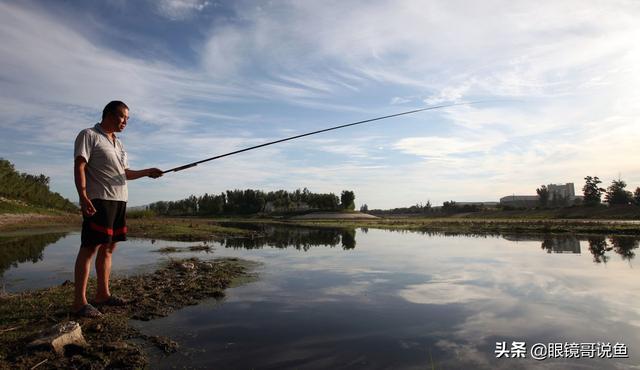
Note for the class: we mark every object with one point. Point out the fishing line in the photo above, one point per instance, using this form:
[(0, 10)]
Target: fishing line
[(184, 167)]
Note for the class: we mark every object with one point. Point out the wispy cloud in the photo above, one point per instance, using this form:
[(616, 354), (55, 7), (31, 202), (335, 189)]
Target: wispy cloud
[(568, 72)]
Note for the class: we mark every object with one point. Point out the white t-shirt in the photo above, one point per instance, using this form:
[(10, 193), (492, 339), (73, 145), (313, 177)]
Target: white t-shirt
[(106, 164)]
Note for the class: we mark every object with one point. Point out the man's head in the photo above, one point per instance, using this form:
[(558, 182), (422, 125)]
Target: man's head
[(115, 116)]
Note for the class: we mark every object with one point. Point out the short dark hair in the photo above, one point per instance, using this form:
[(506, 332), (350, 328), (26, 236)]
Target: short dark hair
[(112, 108)]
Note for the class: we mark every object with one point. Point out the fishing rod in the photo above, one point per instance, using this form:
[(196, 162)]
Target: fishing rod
[(180, 168)]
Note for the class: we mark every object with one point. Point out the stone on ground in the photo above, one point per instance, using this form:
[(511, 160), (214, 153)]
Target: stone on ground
[(60, 336)]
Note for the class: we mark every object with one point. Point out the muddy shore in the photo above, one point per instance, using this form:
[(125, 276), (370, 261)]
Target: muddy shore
[(112, 342)]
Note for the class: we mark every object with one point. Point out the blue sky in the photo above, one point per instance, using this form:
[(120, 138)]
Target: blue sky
[(203, 78)]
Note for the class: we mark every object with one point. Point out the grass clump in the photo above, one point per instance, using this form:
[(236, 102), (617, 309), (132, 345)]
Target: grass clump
[(193, 248)]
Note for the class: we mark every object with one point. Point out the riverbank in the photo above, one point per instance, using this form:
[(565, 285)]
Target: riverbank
[(473, 225), (111, 341), (10, 222), (193, 229), (597, 220), (175, 228)]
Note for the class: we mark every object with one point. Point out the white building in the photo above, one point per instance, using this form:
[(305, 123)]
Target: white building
[(565, 191)]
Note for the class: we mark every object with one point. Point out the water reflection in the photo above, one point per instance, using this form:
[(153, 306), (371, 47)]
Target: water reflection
[(399, 300), (622, 245), (561, 244), (297, 237), (25, 248), (405, 300), (600, 246), (303, 238)]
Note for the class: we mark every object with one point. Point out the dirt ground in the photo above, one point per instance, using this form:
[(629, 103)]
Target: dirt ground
[(22, 221), (334, 216), (15, 218)]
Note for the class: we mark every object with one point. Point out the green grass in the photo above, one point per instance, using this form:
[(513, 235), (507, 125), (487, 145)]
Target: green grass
[(18, 207), (602, 212), (181, 229), (140, 214)]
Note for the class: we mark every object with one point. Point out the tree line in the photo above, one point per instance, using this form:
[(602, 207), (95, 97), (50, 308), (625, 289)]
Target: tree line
[(250, 201), (32, 189), (593, 195), (448, 207), (614, 195)]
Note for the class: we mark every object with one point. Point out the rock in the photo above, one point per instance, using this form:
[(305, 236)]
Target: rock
[(67, 283), (187, 266), (59, 336)]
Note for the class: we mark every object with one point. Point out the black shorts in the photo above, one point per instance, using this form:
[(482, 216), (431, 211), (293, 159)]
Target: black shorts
[(107, 225)]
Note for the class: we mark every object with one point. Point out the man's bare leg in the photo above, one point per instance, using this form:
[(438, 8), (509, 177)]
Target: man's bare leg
[(103, 271), (81, 275)]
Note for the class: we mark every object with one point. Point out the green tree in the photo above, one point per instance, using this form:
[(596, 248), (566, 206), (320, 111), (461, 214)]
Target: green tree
[(636, 196), (347, 199), (543, 195), (591, 191), (364, 208), (616, 193), (31, 189), (449, 207)]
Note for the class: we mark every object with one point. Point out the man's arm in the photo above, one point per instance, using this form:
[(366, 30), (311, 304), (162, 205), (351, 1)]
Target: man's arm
[(154, 173), (79, 166)]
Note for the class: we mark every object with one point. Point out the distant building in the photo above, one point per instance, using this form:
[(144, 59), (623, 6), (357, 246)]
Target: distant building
[(527, 201), (559, 195), (565, 191), (478, 204)]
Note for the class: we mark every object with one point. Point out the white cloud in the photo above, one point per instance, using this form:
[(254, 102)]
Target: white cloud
[(446, 293), (445, 147), (572, 65), (397, 100), (179, 10)]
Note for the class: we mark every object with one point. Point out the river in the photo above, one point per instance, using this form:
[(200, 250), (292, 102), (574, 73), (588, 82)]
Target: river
[(375, 299)]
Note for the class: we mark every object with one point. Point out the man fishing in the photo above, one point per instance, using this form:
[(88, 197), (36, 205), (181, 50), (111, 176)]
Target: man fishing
[(101, 171)]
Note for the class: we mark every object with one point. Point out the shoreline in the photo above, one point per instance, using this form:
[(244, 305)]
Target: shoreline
[(111, 341), (201, 229)]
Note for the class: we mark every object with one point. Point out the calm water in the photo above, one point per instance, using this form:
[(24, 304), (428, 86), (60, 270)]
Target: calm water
[(379, 299)]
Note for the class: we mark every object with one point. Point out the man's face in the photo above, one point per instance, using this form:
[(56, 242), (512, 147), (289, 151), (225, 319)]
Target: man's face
[(121, 117)]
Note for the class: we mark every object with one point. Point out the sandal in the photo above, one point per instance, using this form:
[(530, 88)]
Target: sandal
[(112, 301), (88, 311)]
